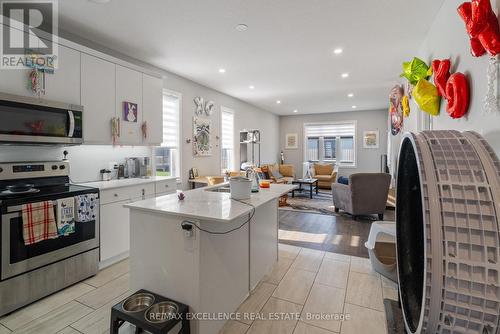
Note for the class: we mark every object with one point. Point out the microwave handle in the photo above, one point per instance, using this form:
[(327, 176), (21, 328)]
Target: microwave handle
[(71, 118)]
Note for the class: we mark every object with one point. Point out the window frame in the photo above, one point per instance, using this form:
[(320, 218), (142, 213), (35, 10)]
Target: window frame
[(178, 95), (337, 144), (224, 109)]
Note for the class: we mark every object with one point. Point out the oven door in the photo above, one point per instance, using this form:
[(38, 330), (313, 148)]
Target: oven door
[(18, 258), (44, 122)]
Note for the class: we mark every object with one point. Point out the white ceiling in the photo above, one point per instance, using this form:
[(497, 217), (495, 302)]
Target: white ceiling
[(286, 53)]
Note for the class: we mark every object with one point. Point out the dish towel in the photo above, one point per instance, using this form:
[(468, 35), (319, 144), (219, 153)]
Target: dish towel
[(39, 222), (86, 208), (65, 216)]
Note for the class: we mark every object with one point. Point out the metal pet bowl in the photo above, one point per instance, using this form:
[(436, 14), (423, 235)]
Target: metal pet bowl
[(162, 312), (138, 302)]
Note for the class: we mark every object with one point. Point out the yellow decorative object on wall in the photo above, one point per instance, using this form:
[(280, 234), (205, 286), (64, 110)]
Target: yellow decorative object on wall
[(427, 97), (406, 106)]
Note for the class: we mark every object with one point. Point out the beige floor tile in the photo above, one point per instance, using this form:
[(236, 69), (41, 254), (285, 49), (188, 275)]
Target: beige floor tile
[(303, 328), (337, 257), (31, 312), (279, 270), (387, 283), (288, 251), (108, 274), (98, 320), (56, 320), (105, 293), (256, 300), (361, 318), (3, 330), (324, 301), (69, 330), (308, 259), (295, 286), (333, 273), (363, 266), (365, 290), (281, 325), (234, 327)]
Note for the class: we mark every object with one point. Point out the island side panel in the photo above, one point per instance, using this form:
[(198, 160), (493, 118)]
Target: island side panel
[(224, 273), (162, 260), (263, 241)]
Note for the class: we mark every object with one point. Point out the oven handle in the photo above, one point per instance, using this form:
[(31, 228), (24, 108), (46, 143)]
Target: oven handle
[(20, 207)]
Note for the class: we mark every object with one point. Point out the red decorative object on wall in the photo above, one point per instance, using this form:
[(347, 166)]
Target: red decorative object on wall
[(457, 94), (454, 88), (441, 69), (482, 26)]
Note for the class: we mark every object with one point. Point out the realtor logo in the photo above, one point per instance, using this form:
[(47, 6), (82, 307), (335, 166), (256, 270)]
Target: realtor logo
[(29, 34)]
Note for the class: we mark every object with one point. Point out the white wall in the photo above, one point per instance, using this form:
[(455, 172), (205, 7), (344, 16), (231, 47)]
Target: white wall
[(368, 160), (447, 39)]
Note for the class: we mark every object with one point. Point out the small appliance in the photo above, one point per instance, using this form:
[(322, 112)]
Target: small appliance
[(240, 187)]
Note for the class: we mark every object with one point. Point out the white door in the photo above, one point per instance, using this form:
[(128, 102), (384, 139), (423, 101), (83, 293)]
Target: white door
[(64, 84), (98, 99), (152, 104), (129, 91)]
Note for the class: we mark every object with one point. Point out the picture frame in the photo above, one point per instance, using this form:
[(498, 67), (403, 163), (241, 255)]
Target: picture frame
[(130, 111), (371, 139), (291, 141)]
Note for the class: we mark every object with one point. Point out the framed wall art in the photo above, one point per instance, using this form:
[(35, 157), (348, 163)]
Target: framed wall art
[(291, 141), (202, 146), (371, 139)]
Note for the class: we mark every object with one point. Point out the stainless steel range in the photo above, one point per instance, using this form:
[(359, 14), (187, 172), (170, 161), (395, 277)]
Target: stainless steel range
[(32, 271)]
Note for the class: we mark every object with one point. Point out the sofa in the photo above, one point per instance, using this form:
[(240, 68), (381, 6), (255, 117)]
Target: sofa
[(325, 173), (279, 173), (366, 194)]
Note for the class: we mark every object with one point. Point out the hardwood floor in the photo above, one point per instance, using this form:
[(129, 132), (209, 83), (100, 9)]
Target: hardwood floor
[(331, 233)]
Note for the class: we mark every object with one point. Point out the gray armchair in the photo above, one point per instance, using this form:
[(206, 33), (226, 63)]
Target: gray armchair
[(366, 194)]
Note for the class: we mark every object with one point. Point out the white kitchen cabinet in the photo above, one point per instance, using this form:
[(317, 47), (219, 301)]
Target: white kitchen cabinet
[(152, 107), (98, 99), (115, 230), (64, 84), (129, 89), (165, 187)]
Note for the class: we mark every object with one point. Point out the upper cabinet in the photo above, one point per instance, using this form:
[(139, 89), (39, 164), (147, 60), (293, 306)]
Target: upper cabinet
[(64, 84), (98, 99), (152, 107), (129, 105)]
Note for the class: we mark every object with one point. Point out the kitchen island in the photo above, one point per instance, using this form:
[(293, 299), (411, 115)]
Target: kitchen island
[(214, 266)]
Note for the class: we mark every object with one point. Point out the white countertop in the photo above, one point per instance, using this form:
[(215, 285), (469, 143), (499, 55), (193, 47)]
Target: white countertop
[(102, 185), (208, 205)]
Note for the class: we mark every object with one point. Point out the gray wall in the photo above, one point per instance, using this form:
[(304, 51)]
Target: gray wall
[(368, 160)]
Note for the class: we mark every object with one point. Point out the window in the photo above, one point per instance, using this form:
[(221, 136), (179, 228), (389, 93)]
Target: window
[(331, 142), (167, 156), (227, 134)]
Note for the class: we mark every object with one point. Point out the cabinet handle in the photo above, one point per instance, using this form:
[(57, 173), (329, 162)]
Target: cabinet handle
[(143, 192), (166, 186), (116, 195)]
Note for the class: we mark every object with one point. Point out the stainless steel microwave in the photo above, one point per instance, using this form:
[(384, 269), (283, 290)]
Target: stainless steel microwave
[(28, 120)]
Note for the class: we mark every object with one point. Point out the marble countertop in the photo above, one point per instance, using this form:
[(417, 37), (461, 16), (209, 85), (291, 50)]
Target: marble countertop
[(102, 185), (208, 205)]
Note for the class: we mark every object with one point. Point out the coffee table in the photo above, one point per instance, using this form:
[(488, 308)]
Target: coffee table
[(313, 185)]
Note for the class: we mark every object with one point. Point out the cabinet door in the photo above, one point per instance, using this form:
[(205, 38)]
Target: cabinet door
[(98, 99), (64, 84), (129, 89), (115, 230), (152, 106)]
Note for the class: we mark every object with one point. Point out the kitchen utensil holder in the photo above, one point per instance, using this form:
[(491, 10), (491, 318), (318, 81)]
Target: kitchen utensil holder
[(119, 316)]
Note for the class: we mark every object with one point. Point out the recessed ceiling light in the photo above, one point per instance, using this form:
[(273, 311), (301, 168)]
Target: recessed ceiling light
[(295, 111), (345, 75), (100, 1), (338, 51), (354, 107), (251, 87), (278, 102), (241, 27), (350, 95), (222, 70)]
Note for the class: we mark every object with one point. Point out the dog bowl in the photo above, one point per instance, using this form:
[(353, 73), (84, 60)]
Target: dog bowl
[(162, 312), (138, 302)]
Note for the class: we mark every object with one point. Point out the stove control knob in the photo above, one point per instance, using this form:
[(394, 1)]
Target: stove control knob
[(62, 167), (54, 167), (1, 169)]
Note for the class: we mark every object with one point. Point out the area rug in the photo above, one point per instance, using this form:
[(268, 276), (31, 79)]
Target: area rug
[(320, 203)]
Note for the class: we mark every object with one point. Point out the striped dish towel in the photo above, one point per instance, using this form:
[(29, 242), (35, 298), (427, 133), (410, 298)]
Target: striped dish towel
[(39, 222)]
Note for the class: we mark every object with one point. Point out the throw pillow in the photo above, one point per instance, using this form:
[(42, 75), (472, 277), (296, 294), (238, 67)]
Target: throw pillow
[(343, 180), (275, 170)]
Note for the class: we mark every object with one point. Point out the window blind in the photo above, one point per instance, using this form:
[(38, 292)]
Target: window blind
[(227, 132), (171, 110), (330, 130)]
